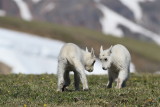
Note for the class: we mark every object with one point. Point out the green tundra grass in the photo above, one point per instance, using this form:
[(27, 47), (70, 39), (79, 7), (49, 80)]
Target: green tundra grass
[(40, 91)]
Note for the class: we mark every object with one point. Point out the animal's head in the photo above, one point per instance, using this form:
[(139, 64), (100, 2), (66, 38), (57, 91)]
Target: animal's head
[(105, 58), (89, 60)]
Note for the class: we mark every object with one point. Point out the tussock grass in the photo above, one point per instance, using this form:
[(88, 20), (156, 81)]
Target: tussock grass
[(40, 90)]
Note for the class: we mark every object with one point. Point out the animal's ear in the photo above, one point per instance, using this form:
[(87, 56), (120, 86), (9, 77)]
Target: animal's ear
[(86, 49), (101, 49), (92, 52), (110, 49)]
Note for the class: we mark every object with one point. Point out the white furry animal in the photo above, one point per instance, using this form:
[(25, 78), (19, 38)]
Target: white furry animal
[(117, 60), (72, 58)]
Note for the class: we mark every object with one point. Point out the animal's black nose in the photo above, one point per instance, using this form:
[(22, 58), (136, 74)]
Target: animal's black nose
[(103, 68), (90, 70)]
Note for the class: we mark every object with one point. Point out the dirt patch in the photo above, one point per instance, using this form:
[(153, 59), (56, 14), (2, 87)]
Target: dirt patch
[(5, 69)]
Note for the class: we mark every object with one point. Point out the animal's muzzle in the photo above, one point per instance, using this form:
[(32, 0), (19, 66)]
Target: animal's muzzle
[(104, 68), (90, 70)]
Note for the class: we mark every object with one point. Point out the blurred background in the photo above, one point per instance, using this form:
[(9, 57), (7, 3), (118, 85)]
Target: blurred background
[(32, 32)]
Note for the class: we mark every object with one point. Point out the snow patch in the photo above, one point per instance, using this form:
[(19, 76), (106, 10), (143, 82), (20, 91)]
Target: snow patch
[(49, 7), (111, 20), (134, 6), (36, 1), (157, 72), (24, 10), (29, 54), (2, 13), (132, 67), (8, 57)]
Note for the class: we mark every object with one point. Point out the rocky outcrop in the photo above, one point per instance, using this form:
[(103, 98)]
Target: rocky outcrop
[(84, 13)]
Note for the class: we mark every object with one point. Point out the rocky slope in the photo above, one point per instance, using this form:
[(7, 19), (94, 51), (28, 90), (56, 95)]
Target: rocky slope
[(139, 19)]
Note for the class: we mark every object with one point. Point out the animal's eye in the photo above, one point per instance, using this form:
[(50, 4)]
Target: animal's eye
[(106, 59)]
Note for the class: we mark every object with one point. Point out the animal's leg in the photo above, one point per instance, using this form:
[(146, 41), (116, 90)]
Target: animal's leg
[(81, 71), (76, 80), (124, 84), (110, 81), (66, 80), (119, 83), (111, 78), (121, 80), (60, 73)]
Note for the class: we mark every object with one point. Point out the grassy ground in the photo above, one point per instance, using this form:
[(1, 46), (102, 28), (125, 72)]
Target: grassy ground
[(40, 90)]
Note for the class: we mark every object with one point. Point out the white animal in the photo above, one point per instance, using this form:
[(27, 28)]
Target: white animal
[(72, 58), (116, 60)]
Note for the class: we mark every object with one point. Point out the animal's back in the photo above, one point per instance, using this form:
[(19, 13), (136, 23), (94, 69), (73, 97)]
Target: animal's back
[(121, 54), (70, 50), (120, 49)]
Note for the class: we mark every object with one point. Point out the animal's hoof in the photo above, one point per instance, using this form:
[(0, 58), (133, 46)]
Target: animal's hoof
[(59, 90), (65, 89), (86, 89), (77, 89), (108, 87), (117, 87)]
